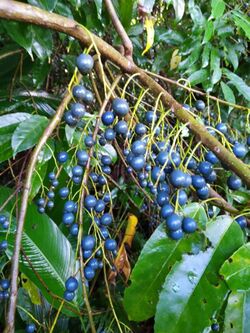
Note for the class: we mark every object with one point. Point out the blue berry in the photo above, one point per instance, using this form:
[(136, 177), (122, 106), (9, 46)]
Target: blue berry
[(51, 195), (177, 178), (69, 206), (158, 174), (107, 198), (234, 182), (3, 245), (211, 157), (106, 219), (242, 221), (77, 171), (212, 177), (68, 295), (41, 210), (137, 163), (108, 118), (4, 284), (121, 127), (110, 244), (74, 229), (203, 193), (192, 165), (106, 160), (189, 225), (50, 204), (62, 157), (109, 134), (221, 127), (181, 197), (215, 327), (151, 117), (69, 119), (104, 232), (198, 181), (89, 273), (55, 183), (200, 105), (99, 206), (239, 150), (162, 198), (30, 328), (140, 129), (79, 91), (93, 263), (88, 97), (40, 202), (88, 242), (138, 147), (82, 157), (167, 210), (176, 234), (102, 180), (3, 218), (248, 140), (173, 222), (52, 176), (84, 63), (90, 201), (87, 254), (68, 218), (120, 107), (63, 192), (77, 110), (71, 284), (205, 168), (94, 177), (89, 141)]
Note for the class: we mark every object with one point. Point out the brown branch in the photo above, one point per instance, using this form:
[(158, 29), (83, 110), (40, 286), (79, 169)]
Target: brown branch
[(127, 44), (10, 322), (14, 10)]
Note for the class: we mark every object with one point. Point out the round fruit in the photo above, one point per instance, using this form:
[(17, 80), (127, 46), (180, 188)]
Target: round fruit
[(84, 63), (79, 91), (71, 284), (173, 222), (63, 192), (212, 177), (69, 206), (192, 165), (68, 218), (104, 232), (120, 107), (205, 168), (158, 174), (87, 254), (62, 157), (176, 234), (137, 162), (109, 134), (106, 160), (68, 295), (3, 218), (121, 127), (102, 180), (221, 127), (200, 105), (138, 147), (52, 176), (30, 328), (248, 140), (167, 210), (177, 178), (4, 284), (108, 118), (239, 150), (186, 106), (89, 141), (40, 202), (162, 198), (74, 229), (203, 193), (99, 206), (50, 204), (211, 157), (55, 183), (151, 117), (88, 98), (140, 129), (69, 119), (106, 219), (198, 181), (90, 201), (77, 171), (107, 197), (51, 195), (93, 263), (110, 244), (89, 273), (189, 225), (77, 110), (82, 157), (181, 196), (242, 221), (94, 177), (215, 327), (88, 242), (234, 182), (41, 210)]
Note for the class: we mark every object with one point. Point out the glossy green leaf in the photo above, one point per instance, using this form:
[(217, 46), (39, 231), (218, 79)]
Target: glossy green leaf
[(206, 55), (218, 8), (228, 94), (195, 13), (209, 30), (237, 313), (98, 4), (12, 119), (148, 275), (236, 270), (198, 76), (48, 5), (194, 285), (233, 57), (197, 212), (179, 8), (28, 133), (242, 21), (215, 66), (239, 84), (47, 251), (42, 42)]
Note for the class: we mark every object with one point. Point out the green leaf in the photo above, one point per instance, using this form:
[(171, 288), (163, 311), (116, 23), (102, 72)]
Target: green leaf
[(198, 76), (242, 22), (195, 13), (218, 8), (239, 84), (215, 66), (154, 263), (237, 313), (42, 42), (110, 151), (228, 94), (209, 31), (197, 212), (47, 251), (28, 133), (233, 57), (12, 120), (179, 8), (206, 55), (194, 285), (125, 9), (147, 5), (98, 4), (236, 270), (48, 5)]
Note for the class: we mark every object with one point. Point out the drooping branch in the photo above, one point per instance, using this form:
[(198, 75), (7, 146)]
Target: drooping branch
[(10, 322), (127, 44), (14, 10)]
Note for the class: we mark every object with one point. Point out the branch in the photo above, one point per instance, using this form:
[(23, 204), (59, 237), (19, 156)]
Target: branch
[(14, 10), (10, 322), (128, 46)]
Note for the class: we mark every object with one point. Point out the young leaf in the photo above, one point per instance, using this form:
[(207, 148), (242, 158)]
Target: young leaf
[(236, 270), (237, 313), (28, 133), (218, 8), (194, 286)]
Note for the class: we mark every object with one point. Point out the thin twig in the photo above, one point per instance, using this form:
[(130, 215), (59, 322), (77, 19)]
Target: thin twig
[(10, 322), (127, 44)]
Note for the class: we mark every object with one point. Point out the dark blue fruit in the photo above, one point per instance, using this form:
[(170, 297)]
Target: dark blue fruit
[(84, 63), (200, 105), (90, 201), (198, 181), (242, 221), (30, 328), (177, 178), (234, 182), (50, 204), (68, 218), (52, 175), (40, 202), (108, 118), (77, 110), (88, 242), (106, 160), (106, 219), (89, 141), (181, 197), (109, 134), (173, 222), (3, 218), (211, 157), (121, 127), (4, 284), (104, 232), (120, 107), (89, 273), (158, 174), (68, 295), (82, 157), (71, 284), (3, 245), (205, 168), (215, 327), (167, 210), (110, 244), (140, 129), (79, 92), (69, 206), (221, 127), (151, 117), (62, 157), (239, 150), (162, 198), (176, 234), (99, 206), (88, 98), (63, 192), (69, 119), (189, 225), (138, 147), (93, 263), (77, 171), (74, 229), (203, 193), (137, 162)]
